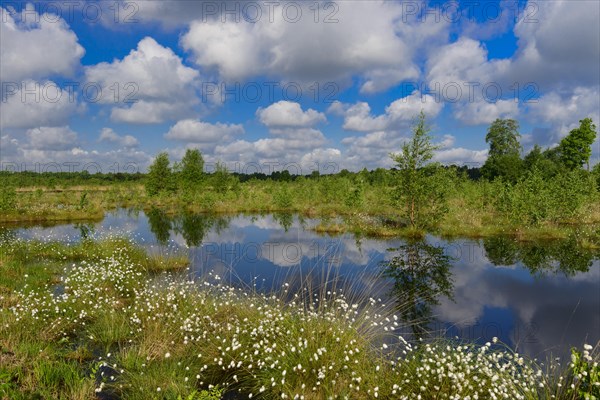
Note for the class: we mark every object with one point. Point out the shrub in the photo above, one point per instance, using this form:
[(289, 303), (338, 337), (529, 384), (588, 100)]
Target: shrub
[(8, 198)]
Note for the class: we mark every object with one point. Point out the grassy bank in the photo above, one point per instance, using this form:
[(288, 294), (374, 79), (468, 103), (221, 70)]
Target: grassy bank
[(95, 319), (472, 208)]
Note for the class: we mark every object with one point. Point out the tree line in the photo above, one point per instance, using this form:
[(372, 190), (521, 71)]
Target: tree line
[(544, 185)]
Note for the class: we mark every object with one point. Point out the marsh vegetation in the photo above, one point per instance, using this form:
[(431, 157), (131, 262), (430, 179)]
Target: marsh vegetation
[(105, 316)]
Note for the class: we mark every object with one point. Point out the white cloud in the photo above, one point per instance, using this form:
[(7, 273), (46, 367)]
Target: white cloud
[(150, 112), (288, 114), (152, 75), (556, 113), (338, 108), (170, 13), (371, 40), (567, 108), (558, 49), (292, 139), (447, 142), (196, 131), (460, 155), (36, 47), (482, 112), (9, 147), (58, 149), (461, 74), (291, 146), (371, 150), (462, 62), (323, 160), (399, 114), (558, 46), (51, 138), (30, 104), (108, 135)]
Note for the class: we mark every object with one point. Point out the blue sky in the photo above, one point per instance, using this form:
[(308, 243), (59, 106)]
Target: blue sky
[(162, 67)]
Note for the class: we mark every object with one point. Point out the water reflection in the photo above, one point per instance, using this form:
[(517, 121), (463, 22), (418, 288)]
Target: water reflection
[(285, 220), (534, 295), (160, 225), (86, 230), (563, 256), (192, 227), (421, 272)]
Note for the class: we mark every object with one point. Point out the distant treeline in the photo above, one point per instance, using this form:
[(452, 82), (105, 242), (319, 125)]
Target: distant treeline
[(54, 179), (59, 179)]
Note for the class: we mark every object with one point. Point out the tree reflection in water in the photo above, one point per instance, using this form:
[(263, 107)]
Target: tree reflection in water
[(421, 273), (192, 227), (284, 219), (160, 225), (541, 257)]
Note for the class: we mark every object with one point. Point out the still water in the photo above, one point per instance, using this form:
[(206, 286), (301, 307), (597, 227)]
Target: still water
[(540, 298)]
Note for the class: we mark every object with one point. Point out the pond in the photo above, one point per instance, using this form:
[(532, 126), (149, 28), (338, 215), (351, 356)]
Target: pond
[(540, 298)]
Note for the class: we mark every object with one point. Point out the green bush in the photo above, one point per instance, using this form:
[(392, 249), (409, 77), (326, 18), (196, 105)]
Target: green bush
[(282, 198), (8, 198), (355, 196), (534, 199)]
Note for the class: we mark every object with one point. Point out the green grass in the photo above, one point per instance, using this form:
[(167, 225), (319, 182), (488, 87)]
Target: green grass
[(472, 209), (121, 328)]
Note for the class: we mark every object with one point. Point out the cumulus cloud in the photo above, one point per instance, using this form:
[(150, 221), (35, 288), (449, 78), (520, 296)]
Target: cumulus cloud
[(108, 135), (461, 74), (557, 50), (30, 104), (567, 108), (152, 79), (292, 139), (371, 150), (399, 114), (288, 114), (554, 115), (58, 149), (482, 112), (327, 160), (282, 149), (169, 13), (384, 133), (36, 47), (558, 46), (196, 131), (9, 147), (51, 138), (463, 62), (149, 112), (381, 54), (460, 156), (446, 142)]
